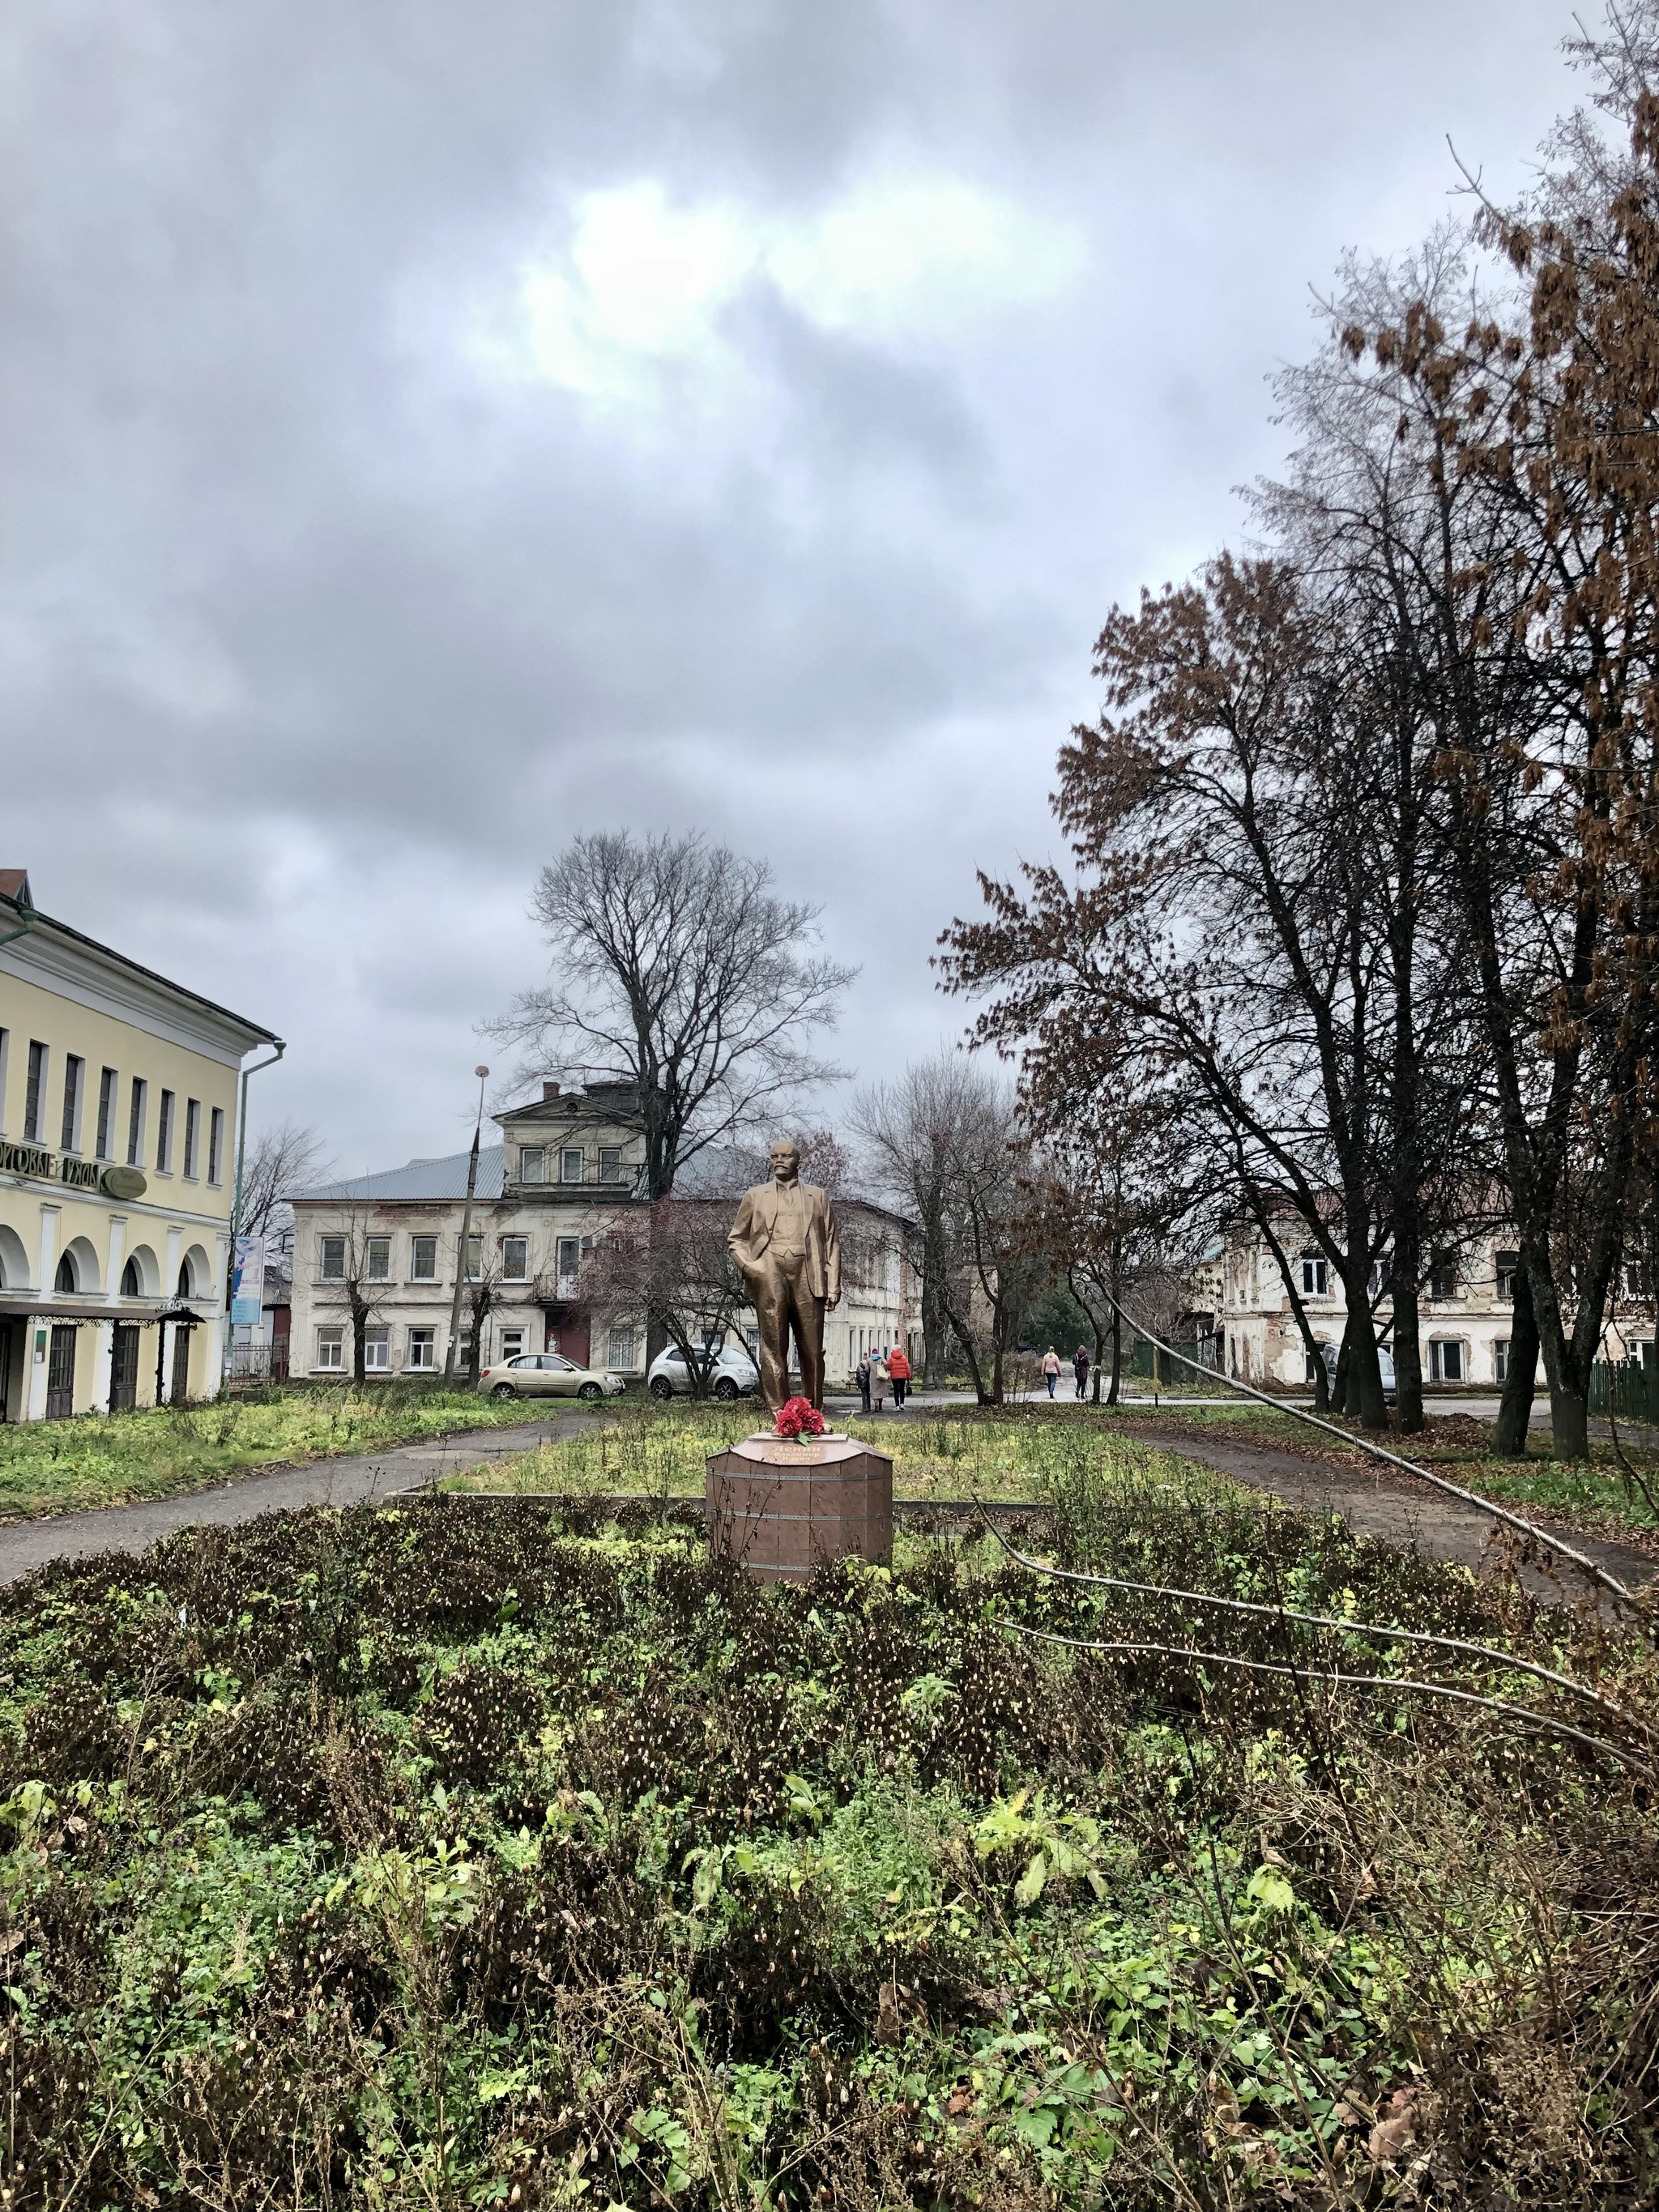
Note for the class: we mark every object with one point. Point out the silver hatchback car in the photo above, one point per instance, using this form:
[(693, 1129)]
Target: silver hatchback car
[(548, 1374)]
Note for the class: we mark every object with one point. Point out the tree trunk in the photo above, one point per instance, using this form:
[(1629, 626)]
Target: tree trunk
[(1365, 1398), (1344, 1363), (1117, 1357), (1515, 1408), (1408, 1345)]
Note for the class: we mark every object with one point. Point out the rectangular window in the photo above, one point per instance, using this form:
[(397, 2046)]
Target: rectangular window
[(1504, 1265), (333, 1258), (532, 1164), (377, 1351), (475, 1259), (192, 1137), (377, 1258), (136, 1122), (75, 1069), (515, 1259), (1315, 1276), (108, 1082), (1443, 1276), (1637, 1284), (1446, 1363), (1500, 1360), (424, 1260), (611, 1163), (216, 1145), (512, 1344), (569, 1265), (164, 1134), (422, 1349), (622, 1347), (35, 1092), (570, 1164), (330, 1350)]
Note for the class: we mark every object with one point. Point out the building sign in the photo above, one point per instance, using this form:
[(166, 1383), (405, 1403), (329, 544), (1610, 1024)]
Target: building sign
[(42, 1166), (247, 1282)]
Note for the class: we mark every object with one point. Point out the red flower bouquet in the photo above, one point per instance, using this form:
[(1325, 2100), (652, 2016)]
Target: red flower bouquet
[(800, 1416)]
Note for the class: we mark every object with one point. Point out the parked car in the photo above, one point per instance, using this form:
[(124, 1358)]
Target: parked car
[(1385, 1365), (735, 1373), (548, 1374)]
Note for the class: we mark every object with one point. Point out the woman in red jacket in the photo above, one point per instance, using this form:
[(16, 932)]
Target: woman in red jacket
[(899, 1369)]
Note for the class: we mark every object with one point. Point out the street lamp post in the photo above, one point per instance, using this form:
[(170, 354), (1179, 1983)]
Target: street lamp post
[(461, 1250)]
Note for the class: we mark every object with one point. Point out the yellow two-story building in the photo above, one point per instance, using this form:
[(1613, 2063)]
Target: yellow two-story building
[(118, 1097)]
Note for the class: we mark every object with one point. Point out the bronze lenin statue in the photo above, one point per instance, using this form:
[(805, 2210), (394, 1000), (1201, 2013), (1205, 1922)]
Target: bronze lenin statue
[(785, 1243)]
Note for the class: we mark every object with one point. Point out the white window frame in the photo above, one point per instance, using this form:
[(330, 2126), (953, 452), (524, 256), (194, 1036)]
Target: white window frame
[(628, 1338), (330, 1340), (1315, 1275), (417, 1340), (215, 1173), (611, 1167), (512, 1342), (567, 1153), (371, 1246), (325, 1273), (1500, 1359), (417, 1273), (537, 1172), (1439, 1347), (37, 1077), (165, 1116), (475, 1259), (377, 1340), (521, 1274)]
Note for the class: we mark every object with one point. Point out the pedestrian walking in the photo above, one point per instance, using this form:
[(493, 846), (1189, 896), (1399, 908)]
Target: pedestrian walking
[(879, 1379), (898, 1368), (1051, 1369), (861, 1376), (1080, 1369)]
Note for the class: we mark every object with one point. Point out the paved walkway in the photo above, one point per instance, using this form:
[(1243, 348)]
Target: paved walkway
[(1395, 1507), (26, 1544)]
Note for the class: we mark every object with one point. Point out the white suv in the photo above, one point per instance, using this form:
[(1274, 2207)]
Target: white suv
[(734, 1374)]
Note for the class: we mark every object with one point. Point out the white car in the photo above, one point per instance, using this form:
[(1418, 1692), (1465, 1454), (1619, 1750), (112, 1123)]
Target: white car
[(548, 1374), (734, 1375)]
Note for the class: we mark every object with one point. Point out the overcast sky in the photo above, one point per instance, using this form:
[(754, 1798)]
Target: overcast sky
[(430, 430)]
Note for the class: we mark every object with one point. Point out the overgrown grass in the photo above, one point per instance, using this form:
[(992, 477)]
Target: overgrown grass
[(449, 1856), (65, 1467), (663, 1451)]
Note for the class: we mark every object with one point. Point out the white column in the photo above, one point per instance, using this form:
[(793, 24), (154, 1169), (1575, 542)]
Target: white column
[(214, 1371), (170, 1270), (38, 1359)]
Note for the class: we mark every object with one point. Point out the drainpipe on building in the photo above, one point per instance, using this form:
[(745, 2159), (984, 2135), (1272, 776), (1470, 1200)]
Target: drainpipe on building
[(236, 1194), (466, 1230)]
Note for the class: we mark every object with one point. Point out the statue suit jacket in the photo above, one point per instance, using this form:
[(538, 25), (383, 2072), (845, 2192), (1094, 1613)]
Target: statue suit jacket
[(752, 1232)]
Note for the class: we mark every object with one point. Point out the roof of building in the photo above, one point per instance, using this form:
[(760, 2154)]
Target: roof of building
[(18, 901), (420, 1179)]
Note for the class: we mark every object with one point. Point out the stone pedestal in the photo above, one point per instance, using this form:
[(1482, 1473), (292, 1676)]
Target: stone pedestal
[(784, 1507)]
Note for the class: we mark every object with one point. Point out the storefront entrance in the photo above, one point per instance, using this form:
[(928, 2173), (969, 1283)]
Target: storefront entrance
[(124, 1369), (60, 1372)]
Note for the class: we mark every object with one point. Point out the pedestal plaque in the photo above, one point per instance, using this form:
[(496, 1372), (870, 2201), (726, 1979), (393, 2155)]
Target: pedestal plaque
[(783, 1507)]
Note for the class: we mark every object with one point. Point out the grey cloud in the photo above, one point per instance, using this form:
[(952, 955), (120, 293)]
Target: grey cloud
[(315, 638)]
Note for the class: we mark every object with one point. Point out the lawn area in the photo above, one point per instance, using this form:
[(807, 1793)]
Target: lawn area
[(663, 1451), (423, 1857), (1600, 1497), (66, 1467)]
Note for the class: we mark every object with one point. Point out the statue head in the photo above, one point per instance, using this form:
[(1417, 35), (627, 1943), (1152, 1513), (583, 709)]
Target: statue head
[(786, 1161)]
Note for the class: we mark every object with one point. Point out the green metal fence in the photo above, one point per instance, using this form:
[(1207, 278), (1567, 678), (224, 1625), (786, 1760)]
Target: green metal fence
[(1630, 1388)]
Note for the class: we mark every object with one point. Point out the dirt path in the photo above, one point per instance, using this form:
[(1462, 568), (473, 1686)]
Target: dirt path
[(26, 1544), (1393, 1507)]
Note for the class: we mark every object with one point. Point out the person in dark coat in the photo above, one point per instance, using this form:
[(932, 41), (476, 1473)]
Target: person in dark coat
[(1080, 1369)]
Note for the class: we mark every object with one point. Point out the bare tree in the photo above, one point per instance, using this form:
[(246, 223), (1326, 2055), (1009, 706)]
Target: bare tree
[(671, 1268), (678, 971), (287, 1156), (911, 1131), (358, 1249)]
